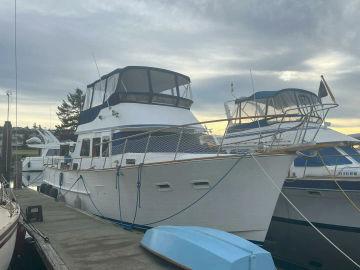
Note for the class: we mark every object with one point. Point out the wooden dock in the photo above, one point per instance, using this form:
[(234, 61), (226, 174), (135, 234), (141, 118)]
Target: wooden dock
[(78, 240)]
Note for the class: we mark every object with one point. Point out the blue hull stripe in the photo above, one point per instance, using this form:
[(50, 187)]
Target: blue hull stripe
[(318, 225), (322, 184)]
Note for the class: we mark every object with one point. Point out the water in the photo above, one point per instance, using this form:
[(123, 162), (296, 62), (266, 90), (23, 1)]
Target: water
[(27, 258)]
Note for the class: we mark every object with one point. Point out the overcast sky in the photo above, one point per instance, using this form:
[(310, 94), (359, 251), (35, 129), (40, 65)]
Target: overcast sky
[(285, 43)]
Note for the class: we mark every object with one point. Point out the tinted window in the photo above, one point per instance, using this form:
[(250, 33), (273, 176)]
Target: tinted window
[(53, 152), (96, 147), (85, 148), (105, 147)]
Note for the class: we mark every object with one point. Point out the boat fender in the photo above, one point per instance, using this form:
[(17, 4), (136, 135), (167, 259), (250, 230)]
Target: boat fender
[(48, 189), (53, 192), (61, 179), (43, 188), (77, 202), (29, 164)]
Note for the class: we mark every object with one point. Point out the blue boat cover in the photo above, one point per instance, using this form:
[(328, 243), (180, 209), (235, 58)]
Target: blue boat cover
[(206, 248)]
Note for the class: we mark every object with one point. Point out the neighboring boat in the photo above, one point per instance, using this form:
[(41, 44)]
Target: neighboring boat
[(325, 186), (142, 159), (9, 217), (283, 118), (49, 147), (324, 194), (201, 248)]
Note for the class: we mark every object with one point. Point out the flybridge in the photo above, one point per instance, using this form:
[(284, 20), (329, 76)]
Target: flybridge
[(139, 84)]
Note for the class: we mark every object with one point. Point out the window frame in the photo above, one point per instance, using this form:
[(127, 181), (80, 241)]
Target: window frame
[(82, 147), (96, 146)]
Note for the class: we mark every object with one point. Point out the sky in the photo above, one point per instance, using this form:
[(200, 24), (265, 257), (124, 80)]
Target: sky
[(284, 43)]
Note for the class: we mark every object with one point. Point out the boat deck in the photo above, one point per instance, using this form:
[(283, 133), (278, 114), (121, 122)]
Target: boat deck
[(78, 240)]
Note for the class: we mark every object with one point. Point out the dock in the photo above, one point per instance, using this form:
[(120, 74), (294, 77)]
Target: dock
[(72, 239)]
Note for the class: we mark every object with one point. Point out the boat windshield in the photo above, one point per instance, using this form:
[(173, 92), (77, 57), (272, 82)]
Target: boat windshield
[(294, 104), (140, 85)]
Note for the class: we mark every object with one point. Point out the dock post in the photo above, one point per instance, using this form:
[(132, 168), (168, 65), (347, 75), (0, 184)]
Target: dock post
[(18, 174), (6, 151)]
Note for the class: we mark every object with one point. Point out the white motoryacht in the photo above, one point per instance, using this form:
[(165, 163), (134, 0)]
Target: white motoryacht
[(325, 186), (323, 183), (49, 148), (142, 159), (9, 217)]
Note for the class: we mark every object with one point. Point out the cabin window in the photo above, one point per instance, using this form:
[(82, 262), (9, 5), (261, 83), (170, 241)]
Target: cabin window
[(96, 147), (98, 96), (111, 85), (85, 148), (64, 150), (163, 82), (52, 152), (105, 147), (329, 155), (88, 97), (135, 80)]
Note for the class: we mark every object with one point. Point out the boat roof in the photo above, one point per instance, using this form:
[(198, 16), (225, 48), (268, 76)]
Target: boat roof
[(182, 79), (283, 98)]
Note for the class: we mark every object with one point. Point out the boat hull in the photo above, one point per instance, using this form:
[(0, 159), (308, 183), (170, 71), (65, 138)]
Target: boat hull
[(8, 233), (178, 244), (220, 192), (292, 239)]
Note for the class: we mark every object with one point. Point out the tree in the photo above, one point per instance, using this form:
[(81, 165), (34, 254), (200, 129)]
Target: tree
[(68, 114)]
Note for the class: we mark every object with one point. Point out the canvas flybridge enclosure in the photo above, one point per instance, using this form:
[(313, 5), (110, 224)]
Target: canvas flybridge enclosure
[(293, 104), (139, 84)]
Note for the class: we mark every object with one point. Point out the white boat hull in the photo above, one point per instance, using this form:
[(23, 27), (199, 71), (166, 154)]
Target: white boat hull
[(243, 201), (8, 231), (33, 164), (330, 211)]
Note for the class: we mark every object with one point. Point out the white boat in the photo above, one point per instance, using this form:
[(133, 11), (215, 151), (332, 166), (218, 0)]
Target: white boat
[(201, 248), (49, 147), (142, 159), (324, 184), (9, 217), (325, 187)]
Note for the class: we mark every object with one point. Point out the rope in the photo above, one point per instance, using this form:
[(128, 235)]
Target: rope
[(87, 192), (16, 86), (35, 180), (303, 216), (353, 204), (202, 196), (138, 193), (118, 188), (80, 177)]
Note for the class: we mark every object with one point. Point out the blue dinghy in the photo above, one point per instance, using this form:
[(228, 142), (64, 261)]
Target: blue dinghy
[(205, 248)]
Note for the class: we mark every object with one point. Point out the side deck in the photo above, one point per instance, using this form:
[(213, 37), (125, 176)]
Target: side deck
[(77, 240)]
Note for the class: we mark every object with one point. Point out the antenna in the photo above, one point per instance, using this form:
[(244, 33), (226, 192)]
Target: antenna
[(232, 89), (97, 68), (8, 93), (252, 83), (98, 71)]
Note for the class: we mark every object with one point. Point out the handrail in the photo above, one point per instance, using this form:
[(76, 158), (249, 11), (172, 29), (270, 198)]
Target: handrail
[(303, 120)]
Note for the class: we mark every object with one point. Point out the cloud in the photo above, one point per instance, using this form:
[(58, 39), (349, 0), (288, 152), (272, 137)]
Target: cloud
[(285, 43)]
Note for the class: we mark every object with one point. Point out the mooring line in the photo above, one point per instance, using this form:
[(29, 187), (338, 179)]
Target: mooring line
[(303, 216)]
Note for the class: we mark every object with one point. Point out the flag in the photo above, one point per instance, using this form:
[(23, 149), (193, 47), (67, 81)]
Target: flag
[(322, 90)]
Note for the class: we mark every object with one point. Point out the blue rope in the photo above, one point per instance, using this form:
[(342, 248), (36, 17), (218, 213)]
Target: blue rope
[(138, 194), (118, 188)]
